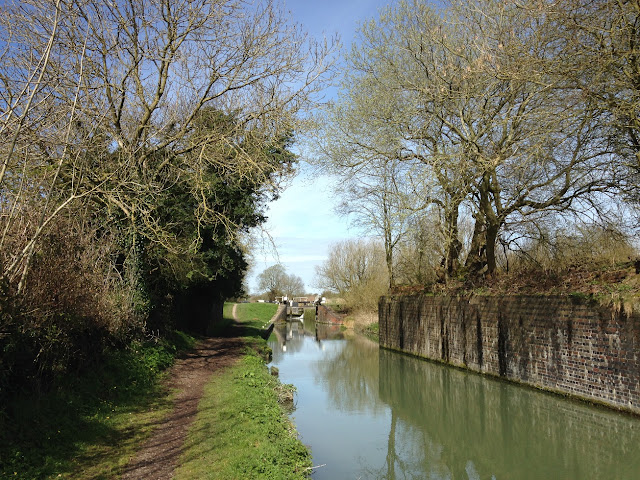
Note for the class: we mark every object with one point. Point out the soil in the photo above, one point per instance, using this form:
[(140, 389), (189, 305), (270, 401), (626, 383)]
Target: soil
[(589, 280), (593, 280), (159, 456)]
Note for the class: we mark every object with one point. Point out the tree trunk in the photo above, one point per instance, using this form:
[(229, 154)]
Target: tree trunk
[(491, 239), (390, 269), (388, 243), (476, 260), (452, 242)]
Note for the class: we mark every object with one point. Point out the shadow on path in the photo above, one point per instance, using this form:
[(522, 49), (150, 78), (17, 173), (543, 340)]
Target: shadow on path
[(159, 455)]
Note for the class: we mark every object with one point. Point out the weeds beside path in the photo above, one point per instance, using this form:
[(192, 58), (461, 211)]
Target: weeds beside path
[(217, 413), (159, 456), (228, 418)]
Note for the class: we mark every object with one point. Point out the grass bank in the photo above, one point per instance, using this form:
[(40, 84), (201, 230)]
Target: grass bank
[(242, 430), (254, 314), (372, 331), (90, 425)]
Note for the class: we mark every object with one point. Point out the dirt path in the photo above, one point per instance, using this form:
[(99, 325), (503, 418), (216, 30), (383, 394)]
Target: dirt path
[(159, 456)]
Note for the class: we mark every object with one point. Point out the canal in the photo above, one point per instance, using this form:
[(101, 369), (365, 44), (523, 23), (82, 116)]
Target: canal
[(369, 413)]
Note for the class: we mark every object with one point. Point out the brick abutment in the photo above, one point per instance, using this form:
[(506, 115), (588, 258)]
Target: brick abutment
[(563, 344)]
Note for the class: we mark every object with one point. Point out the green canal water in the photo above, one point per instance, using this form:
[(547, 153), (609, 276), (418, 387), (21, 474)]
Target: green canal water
[(369, 413)]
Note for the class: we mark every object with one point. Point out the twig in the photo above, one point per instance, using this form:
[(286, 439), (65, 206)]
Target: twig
[(317, 466)]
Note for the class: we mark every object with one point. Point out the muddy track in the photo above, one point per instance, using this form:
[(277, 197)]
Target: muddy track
[(159, 456)]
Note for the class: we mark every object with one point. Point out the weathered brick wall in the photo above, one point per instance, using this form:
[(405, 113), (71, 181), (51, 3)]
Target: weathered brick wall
[(326, 315), (280, 315), (564, 344)]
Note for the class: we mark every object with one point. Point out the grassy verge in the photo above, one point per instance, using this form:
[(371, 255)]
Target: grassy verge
[(90, 426), (251, 315), (372, 331), (255, 314), (242, 430)]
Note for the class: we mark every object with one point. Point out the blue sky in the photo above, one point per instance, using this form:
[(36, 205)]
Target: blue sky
[(302, 222)]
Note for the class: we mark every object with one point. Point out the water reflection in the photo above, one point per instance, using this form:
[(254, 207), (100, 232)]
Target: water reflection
[(469, 426), (351, 377), (290, 334), (370, 413)]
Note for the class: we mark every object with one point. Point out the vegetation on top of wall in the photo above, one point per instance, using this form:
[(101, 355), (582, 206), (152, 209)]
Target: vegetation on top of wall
[(600, 264)]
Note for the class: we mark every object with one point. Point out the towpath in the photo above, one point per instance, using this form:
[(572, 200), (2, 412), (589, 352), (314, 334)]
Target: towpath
[(159, 456)]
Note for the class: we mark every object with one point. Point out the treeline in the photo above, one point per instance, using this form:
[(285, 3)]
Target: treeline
[(275, 282), (487, 132), (139, 142)]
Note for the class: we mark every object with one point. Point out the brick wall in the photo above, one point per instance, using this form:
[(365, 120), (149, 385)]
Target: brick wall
[(565, 344), (326, 315), (280, 315)]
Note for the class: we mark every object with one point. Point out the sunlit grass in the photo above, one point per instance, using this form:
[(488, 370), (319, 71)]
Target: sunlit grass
[(255, 314), (241, 431)]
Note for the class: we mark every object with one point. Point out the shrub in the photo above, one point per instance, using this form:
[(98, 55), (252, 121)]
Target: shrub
[(586, 246), (66, 314)]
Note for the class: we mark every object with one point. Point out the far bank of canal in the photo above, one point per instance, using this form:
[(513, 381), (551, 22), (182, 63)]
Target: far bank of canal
[(371, 413)]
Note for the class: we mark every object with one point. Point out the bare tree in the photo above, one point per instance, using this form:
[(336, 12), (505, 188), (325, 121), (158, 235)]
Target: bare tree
[(275, 281), (356, 140), (293, 285), (382, 198), (271, 281), (526, 143), (356, 269), (25, 176), (380, 123), (420, 252), (102, 101), (600, 56), (474, 95)]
